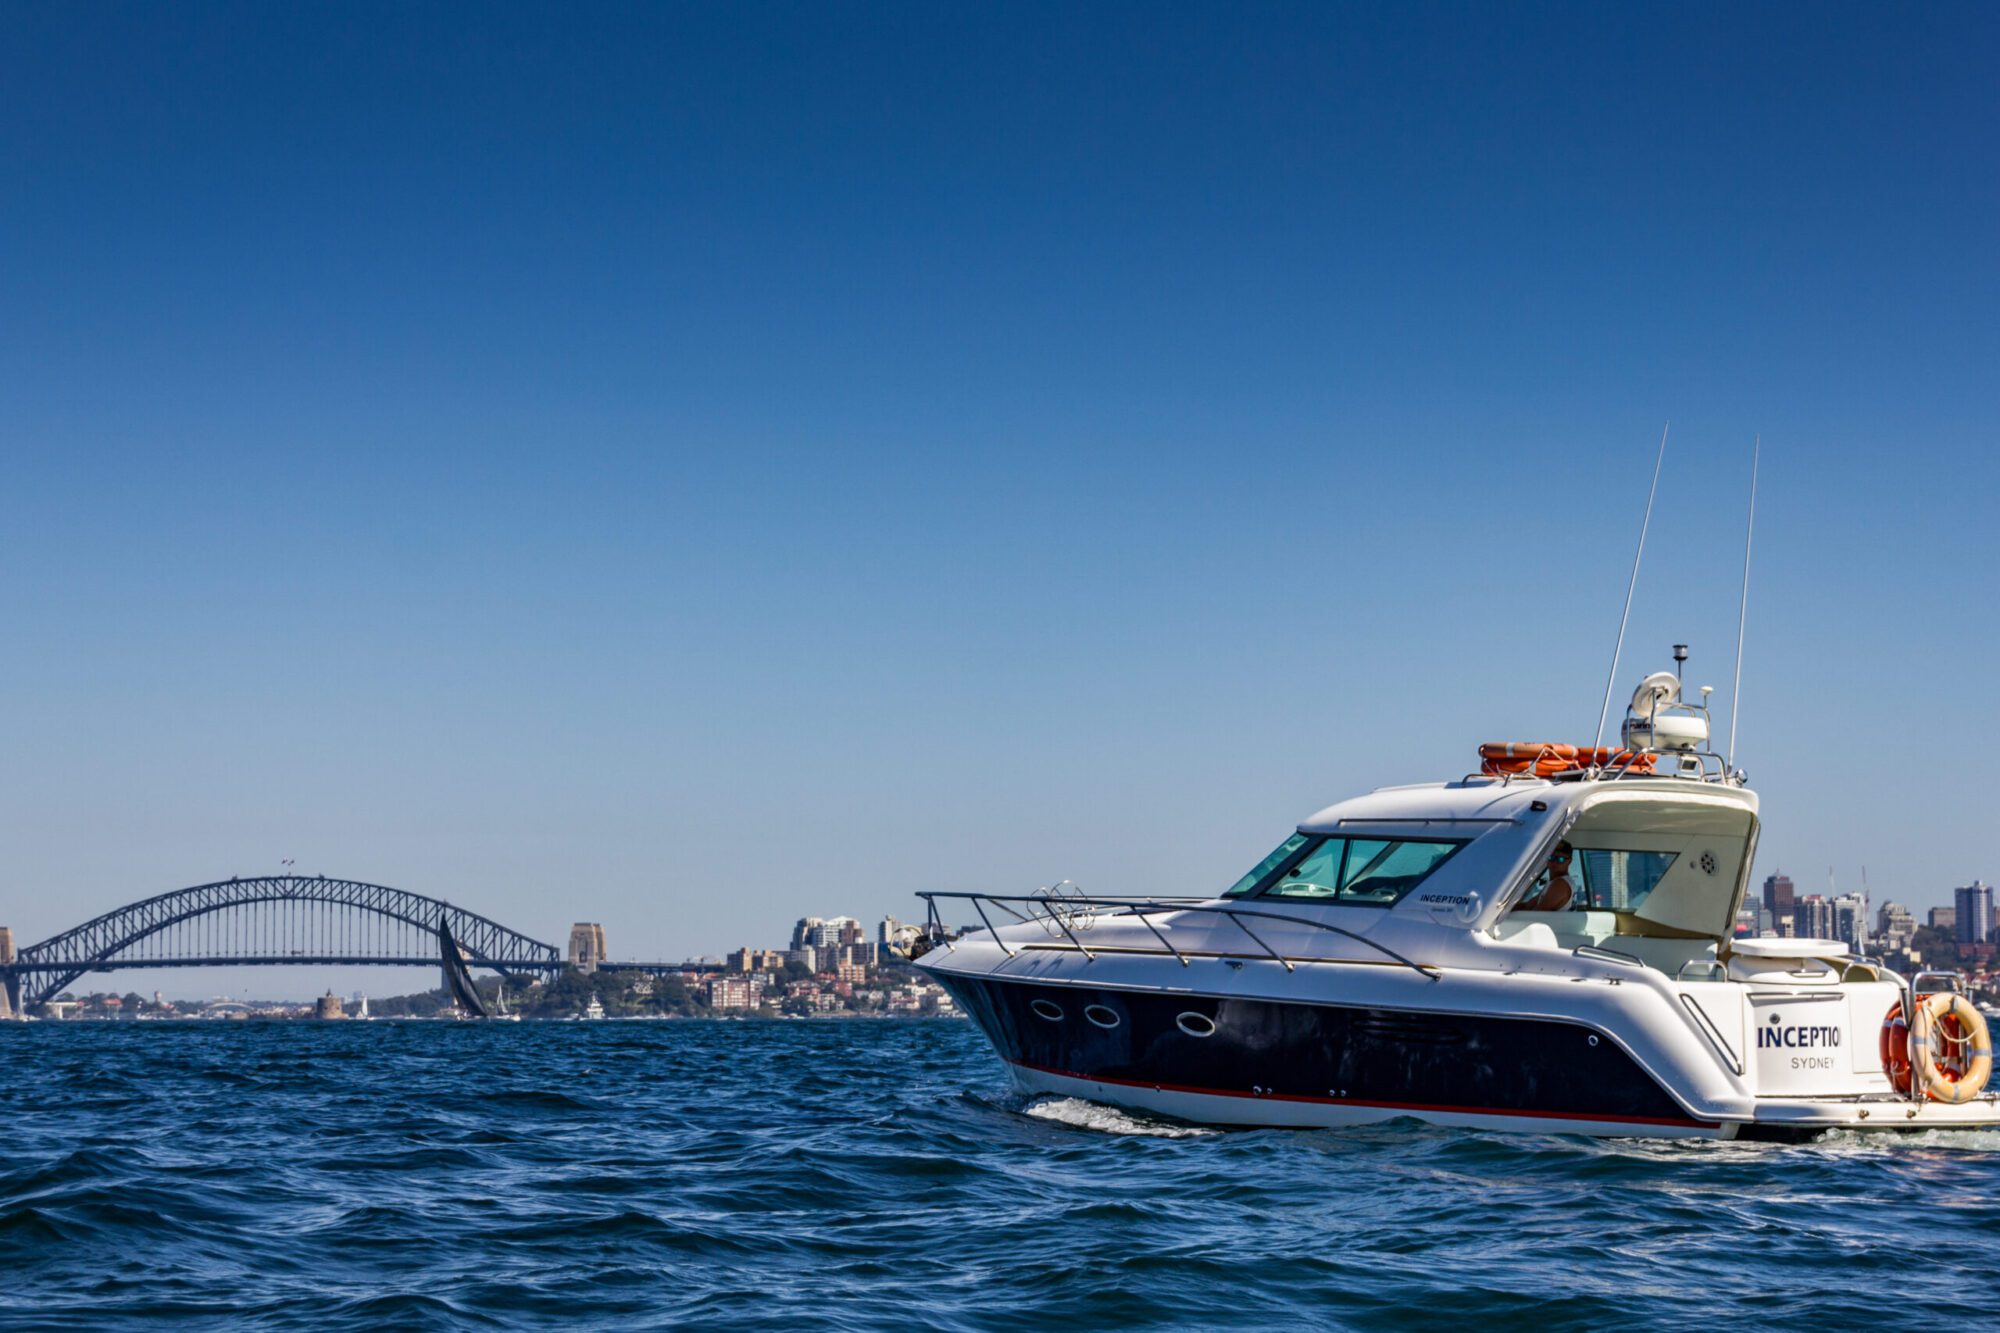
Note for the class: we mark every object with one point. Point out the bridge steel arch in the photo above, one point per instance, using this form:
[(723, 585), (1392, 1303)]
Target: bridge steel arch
[(104, 941)]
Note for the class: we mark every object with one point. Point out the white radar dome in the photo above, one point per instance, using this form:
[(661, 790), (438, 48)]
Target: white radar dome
[(1659, 721), (1654, 693)]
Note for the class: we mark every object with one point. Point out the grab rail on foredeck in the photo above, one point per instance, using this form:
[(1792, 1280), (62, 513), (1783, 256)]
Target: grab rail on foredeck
[(1047, 910)]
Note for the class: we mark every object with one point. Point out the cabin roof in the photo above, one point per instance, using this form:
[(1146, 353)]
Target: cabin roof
[(1486, 801)]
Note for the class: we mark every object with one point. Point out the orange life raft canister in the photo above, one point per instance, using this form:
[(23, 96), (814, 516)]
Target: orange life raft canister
[(1545, 759)]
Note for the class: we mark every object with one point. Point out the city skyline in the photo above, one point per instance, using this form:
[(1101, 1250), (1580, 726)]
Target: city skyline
[(835, 948)]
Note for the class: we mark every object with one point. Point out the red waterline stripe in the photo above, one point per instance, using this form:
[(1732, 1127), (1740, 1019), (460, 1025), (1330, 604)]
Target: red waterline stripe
[(1379, 1106)]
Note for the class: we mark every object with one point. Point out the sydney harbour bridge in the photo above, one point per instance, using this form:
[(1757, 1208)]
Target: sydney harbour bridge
[(290, 920)]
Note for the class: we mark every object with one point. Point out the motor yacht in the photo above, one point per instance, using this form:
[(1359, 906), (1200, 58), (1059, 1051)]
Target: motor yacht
[(1546, 944)]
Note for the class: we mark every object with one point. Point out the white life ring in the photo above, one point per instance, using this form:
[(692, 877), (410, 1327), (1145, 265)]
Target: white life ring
[(1950, 1066)]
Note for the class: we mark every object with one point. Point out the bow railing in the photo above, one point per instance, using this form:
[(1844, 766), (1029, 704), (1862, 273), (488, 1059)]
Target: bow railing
[(1069, 915)]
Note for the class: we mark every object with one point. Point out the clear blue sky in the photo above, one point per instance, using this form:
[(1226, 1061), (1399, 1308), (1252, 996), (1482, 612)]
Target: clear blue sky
[(690, 466)]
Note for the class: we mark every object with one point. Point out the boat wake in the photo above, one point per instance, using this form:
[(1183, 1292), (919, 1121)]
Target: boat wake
[(1080, 1114)]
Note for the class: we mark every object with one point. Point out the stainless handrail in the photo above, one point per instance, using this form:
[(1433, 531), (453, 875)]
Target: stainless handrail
[(1708, 1029), (1142, 908), (1608, 955), (1063, 921), (1956, 980)]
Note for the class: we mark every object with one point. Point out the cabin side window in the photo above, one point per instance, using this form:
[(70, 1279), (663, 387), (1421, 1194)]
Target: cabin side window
[(1619, 881), (1603, 879)]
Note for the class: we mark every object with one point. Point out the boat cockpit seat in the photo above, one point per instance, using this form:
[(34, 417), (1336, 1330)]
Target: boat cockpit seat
[(1599, 930)]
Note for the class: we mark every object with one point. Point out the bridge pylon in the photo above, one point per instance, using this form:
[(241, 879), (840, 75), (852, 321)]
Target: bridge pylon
[(10, 985)]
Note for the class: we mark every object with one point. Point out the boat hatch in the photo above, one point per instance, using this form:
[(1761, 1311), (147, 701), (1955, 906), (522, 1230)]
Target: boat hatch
[(1654, 868)]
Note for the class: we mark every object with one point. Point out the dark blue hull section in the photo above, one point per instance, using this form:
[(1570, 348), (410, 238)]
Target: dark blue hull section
[(1395, 1058)]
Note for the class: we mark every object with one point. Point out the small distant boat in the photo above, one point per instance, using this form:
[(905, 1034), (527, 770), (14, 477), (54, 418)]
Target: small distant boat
[(593, 1010)]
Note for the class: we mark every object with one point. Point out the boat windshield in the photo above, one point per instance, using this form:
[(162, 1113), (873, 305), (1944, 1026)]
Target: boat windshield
[(1366, 871), (1264, 868)]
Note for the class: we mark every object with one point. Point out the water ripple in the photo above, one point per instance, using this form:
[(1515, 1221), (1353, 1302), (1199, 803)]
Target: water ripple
[(860, 1175)]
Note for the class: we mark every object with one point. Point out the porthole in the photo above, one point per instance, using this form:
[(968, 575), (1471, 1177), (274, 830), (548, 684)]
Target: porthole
[(1196, 1025), (1100, 1015), (1048, 1009)]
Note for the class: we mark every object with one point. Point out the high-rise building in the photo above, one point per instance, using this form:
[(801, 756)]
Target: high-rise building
[(1895, 924), (735, 993), (826, 933), (1812, 917), (1778, 901), (1850, 921), (586, 946), (1974, 904), (865, 954), (1944, 918), (1621, 881)]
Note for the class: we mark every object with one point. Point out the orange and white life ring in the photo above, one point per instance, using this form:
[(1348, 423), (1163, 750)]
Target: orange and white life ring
[(1545, 759), (1894, 1045), (1950, 1049)]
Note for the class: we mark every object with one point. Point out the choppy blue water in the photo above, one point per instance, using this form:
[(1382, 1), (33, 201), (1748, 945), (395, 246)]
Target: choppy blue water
[(871, 1175)]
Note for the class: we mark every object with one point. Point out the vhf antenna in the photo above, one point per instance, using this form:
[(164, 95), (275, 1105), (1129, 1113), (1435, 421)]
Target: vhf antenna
[(1743, 608), (1625, 615)]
